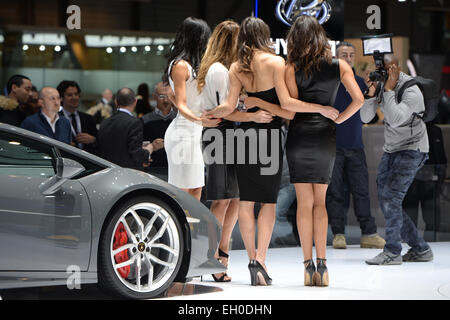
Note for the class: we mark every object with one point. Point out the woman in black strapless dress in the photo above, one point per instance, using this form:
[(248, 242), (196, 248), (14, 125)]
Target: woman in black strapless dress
[(254, 185), (313, 77), (221, 178), (258, 145)]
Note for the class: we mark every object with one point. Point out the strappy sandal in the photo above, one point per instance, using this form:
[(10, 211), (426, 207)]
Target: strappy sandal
[(224, 274)]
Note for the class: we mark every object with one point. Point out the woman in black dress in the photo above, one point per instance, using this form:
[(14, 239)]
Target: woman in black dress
[(312, 76), (259, 181), (221, 179)]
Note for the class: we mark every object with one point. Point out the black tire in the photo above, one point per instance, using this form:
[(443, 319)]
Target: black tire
[(107, 277)]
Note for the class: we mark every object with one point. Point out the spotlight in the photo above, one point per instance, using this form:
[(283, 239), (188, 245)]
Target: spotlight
[(147, 48), (123, 49), (109, 50), (42, 48), (25, 47), (57, 48), (160, 47), (134, 49)]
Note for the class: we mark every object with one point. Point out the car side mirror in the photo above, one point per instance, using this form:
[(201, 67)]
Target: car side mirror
[(65, 169)]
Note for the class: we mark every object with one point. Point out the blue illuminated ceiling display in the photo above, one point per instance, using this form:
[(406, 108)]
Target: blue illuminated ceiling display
[(287, 11)]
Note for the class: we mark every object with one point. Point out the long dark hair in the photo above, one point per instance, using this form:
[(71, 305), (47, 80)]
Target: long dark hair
[(254, 34), (308, 45), (189, 45)]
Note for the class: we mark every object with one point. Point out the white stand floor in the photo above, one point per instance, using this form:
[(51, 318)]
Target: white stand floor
[(350, 277)]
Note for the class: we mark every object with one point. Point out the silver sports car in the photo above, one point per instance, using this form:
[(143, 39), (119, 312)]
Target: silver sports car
[(67, 215)]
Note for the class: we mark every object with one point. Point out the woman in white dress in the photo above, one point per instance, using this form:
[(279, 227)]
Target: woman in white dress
[(183, 136)]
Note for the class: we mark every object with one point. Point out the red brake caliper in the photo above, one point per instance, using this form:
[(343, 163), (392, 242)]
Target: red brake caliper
[(120, 239)]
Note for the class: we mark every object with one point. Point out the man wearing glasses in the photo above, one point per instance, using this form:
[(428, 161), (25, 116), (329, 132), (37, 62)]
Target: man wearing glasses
[(156, 123)]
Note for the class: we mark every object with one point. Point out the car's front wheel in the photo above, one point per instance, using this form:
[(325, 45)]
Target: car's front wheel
[(141, 249)]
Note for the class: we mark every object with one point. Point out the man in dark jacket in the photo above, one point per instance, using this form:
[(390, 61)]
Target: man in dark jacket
[(12, 107), (84, 130), (350, 170), (47, 121), (157, 122), (120, 138)]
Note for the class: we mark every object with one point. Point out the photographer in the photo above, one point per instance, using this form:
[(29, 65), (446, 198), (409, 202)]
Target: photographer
[(405, 152)]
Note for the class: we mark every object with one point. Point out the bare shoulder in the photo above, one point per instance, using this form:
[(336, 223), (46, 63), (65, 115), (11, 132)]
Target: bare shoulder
[(344, 67), (235, 70), (234, 67), (180, 69), (276, 61), (272, 63), (180, 65)]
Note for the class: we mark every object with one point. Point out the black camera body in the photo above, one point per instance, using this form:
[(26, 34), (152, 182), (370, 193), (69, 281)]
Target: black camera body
[(377, 46), (380, 74)]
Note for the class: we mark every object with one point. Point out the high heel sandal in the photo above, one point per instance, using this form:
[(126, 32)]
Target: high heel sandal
[(255, 267), (224, 274), (321, 275), (310, 270)]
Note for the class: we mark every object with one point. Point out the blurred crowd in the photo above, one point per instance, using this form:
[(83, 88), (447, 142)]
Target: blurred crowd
[(59, 113)]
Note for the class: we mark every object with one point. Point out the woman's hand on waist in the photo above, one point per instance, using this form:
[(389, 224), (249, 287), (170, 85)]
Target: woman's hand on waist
[(329, 112), (262, 116)]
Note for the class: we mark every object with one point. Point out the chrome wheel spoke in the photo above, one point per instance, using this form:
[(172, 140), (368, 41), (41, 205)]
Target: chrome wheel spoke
[(138, 221), (122, 248), (165, 247), (160, 232), (159, 261), (150, 272), (138, 272), (149, 225), (128, 230), (126, 263)]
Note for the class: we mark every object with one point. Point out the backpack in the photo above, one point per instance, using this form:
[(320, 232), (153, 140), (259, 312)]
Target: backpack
[(430, 96)]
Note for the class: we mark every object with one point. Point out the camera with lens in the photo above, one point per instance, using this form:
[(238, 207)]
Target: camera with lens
[(377, 46), (380, 74)]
